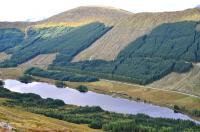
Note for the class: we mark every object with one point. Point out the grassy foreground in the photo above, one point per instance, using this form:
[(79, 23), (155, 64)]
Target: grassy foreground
[(94, 117), (29, 122)]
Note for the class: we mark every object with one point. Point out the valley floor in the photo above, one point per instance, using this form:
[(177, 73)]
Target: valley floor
[(149, 94), (142, 93)]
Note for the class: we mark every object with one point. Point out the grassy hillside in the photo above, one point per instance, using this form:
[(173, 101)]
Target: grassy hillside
[(30, 122), (41, 61), (188, 82)]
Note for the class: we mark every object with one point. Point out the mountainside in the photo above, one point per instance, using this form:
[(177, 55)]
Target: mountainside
[(105, 43), (129, 29), (169, 47)]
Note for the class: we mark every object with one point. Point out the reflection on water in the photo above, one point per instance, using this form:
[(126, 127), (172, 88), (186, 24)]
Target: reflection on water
[(107, 102)]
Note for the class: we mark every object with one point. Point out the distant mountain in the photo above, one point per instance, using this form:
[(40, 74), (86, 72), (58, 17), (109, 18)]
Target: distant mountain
[(83, 13)]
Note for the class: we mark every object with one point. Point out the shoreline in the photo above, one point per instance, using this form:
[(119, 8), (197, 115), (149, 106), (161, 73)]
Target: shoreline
[(157, 97), (116, 111)]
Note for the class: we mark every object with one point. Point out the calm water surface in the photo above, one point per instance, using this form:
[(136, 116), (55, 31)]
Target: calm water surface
[(107, 102)]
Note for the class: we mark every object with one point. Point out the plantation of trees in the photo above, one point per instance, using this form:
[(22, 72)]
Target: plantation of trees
[(63, 40), (94, 117), (170, 47), (60, 75), (10, 38)]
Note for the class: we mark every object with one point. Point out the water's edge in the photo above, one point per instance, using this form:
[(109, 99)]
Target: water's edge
[(106, 102)]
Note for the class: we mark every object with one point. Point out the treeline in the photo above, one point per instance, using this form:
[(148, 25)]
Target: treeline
[(29, 100), (95, 117), (135, 70), (66, 41), (72, 77)]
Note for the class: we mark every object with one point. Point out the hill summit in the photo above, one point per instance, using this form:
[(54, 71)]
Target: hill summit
[(93, 13)]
